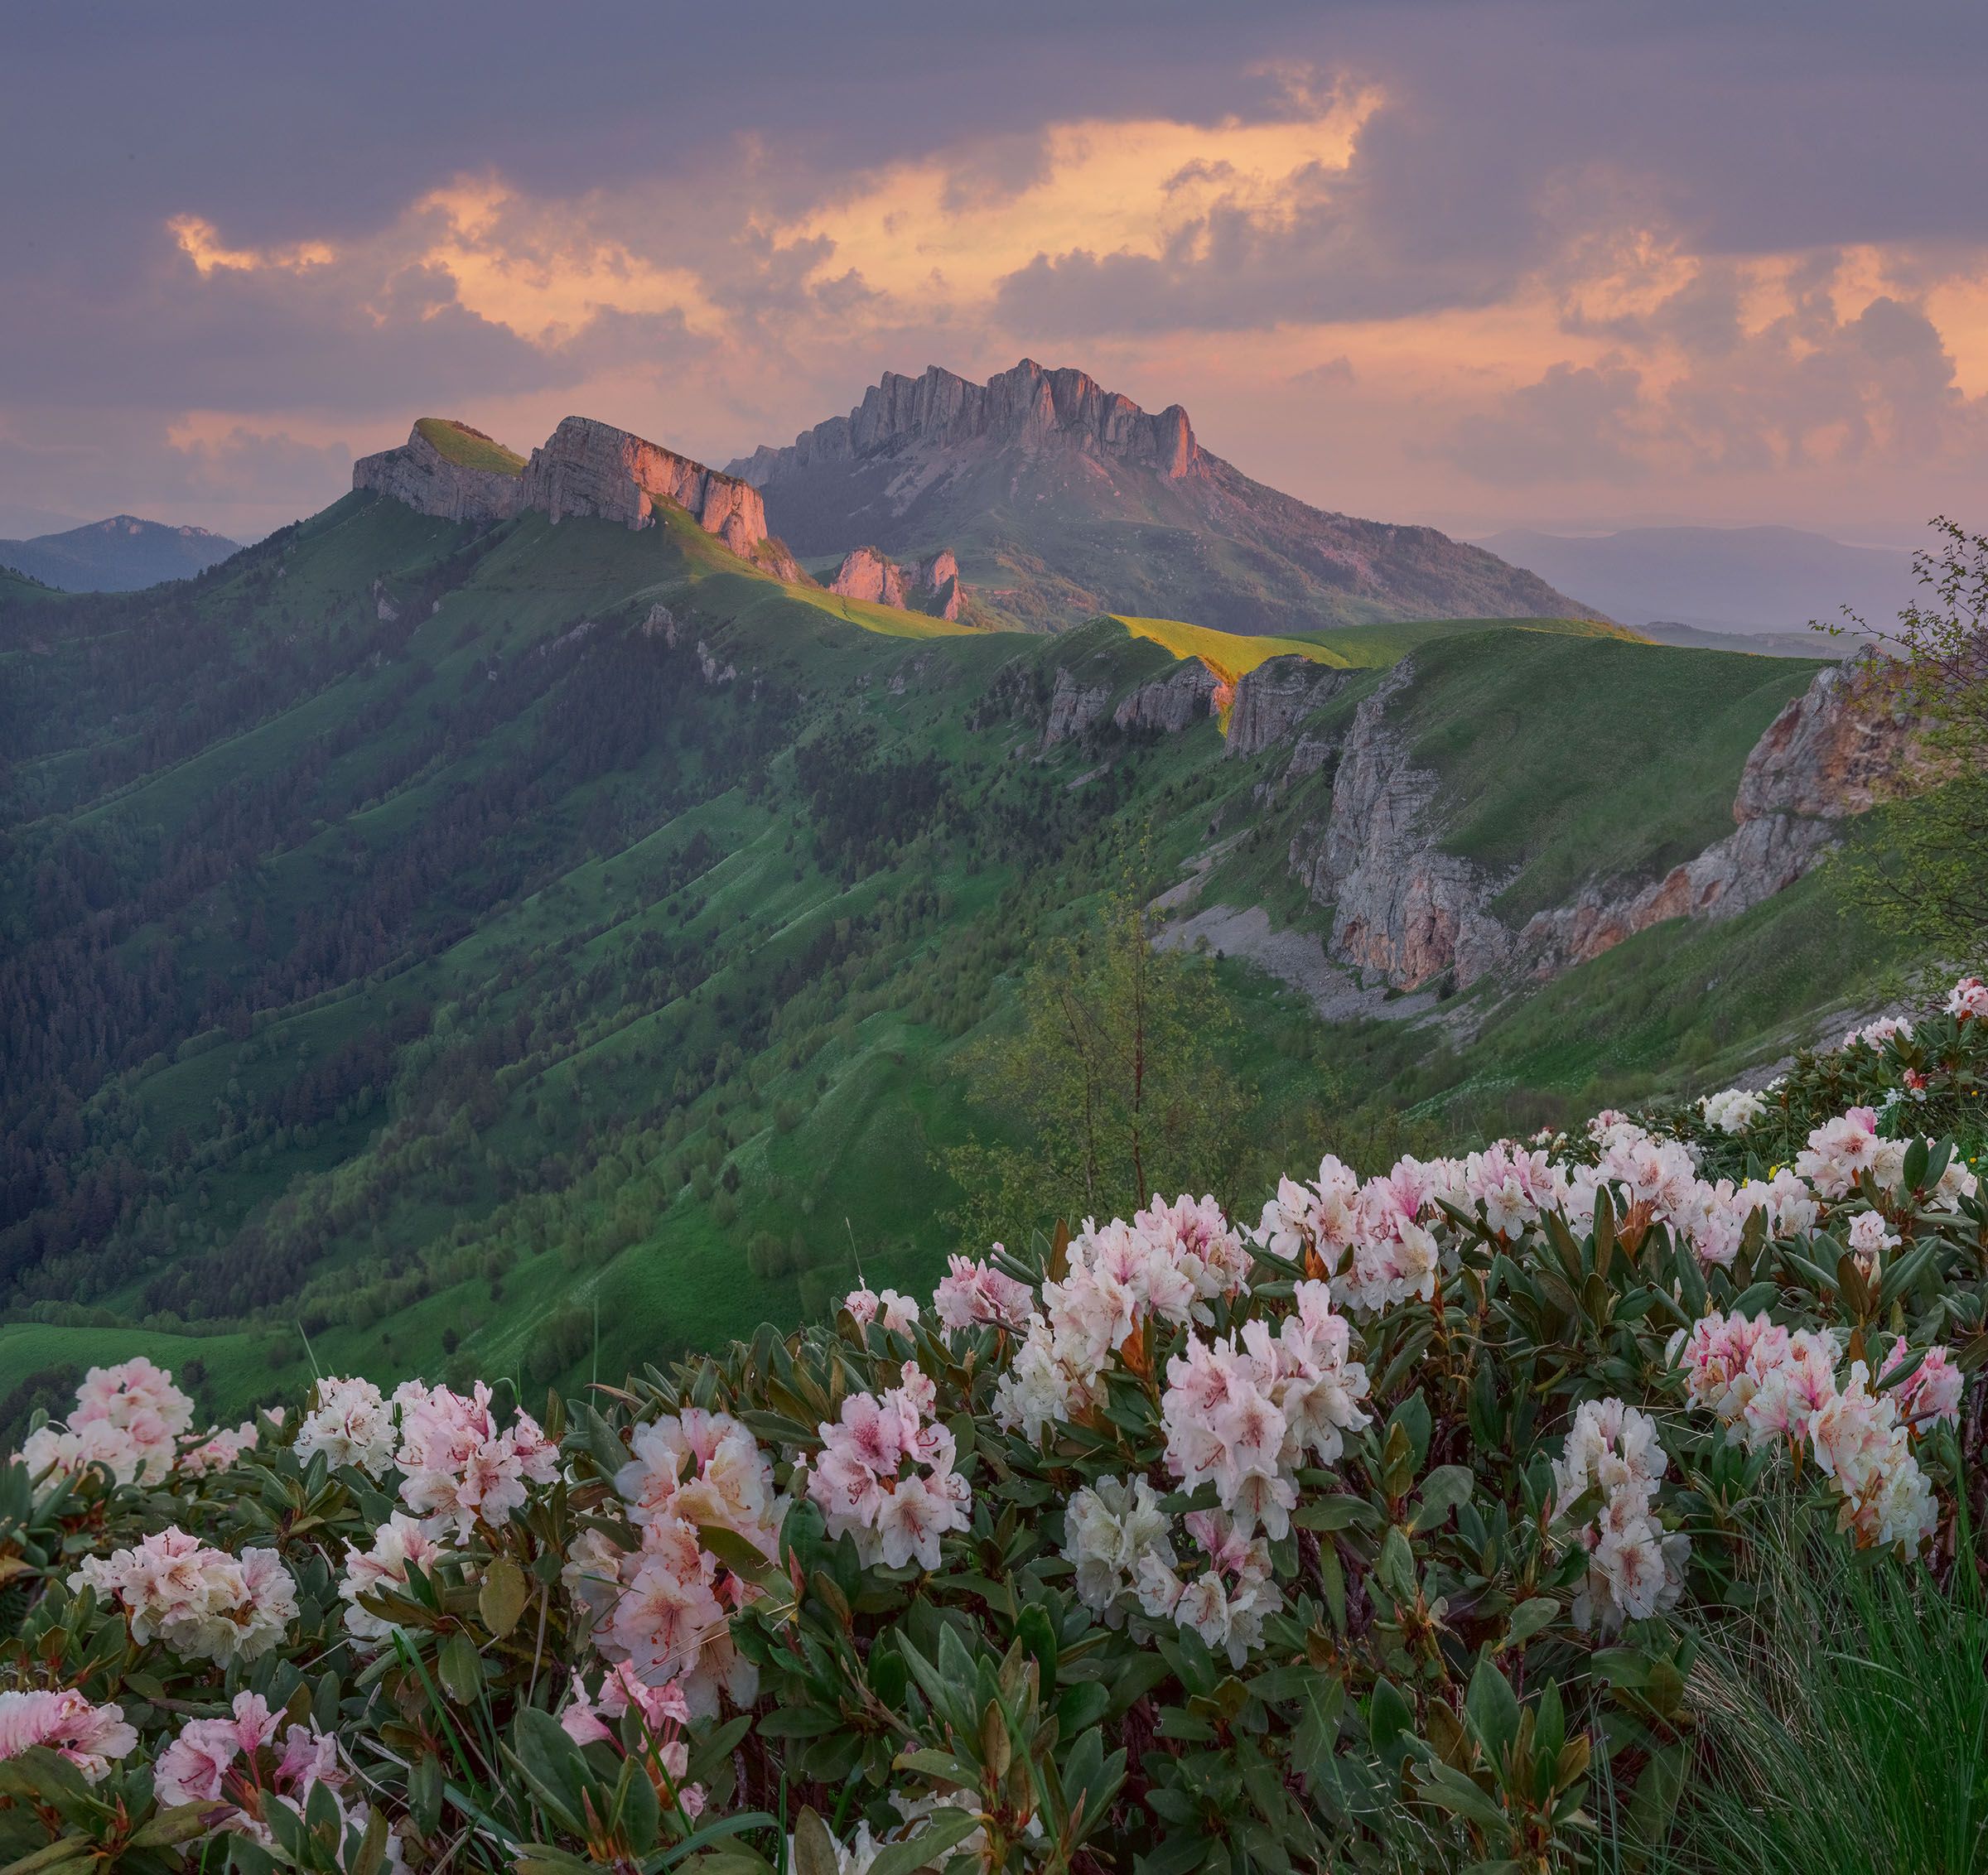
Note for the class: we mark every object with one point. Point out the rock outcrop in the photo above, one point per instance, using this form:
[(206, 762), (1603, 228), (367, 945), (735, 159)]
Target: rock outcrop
[(1168, 705), (931, 586), (420, 476), (586, 467), (583, 468), (1271, 700), (1400, 905), (1074, 707), (868, 575), (1028, 406), (1404, 908)]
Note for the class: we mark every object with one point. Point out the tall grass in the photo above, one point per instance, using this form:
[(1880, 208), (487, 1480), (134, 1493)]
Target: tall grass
[(1844, 1721)]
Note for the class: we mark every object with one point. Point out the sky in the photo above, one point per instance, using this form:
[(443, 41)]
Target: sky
[(1472, 262)]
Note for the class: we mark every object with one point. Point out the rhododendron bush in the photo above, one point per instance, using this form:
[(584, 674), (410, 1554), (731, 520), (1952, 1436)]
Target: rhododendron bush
[(1373, 1529)]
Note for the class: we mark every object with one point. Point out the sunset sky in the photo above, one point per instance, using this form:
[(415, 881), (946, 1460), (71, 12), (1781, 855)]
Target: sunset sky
[(1576, 265)]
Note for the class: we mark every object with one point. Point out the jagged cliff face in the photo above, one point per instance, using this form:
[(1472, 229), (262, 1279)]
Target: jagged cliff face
[(583, 468), (1066, 500), (1405, 908), (931, 586), (586, 467), (419, 475), (1273, 698), (1027, 408)]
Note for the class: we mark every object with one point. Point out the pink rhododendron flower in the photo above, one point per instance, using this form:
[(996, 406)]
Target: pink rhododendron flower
[(89, 1737)]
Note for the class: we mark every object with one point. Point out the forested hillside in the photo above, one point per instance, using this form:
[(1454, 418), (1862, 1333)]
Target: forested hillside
[(427, 947)]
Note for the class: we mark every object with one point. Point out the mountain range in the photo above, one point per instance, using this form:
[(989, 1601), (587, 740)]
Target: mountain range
[(1733, 580), (515, 918), (119, 554), (1061, 499)]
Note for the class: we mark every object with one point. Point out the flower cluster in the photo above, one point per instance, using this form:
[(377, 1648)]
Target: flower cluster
[(1772, 1385), (1244, 1411), (898, 1313), (218, 1450), (1967, 1000), (886, 1475), (1876, 1034), (1168, 1265), (203, 1603), (352, 1423), (1635, 1568), (89, 1737), (459, 1467), (974, 1294), (1369, 1238), (128, 1419), (1841, 1150), (1110, 1528), (250, 1762), (663, 1609), (1227, 1602), (664, 1714), (1732, 1111), (399, 1543)]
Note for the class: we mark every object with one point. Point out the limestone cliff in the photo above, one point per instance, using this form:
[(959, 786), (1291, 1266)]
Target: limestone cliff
[(1171, 703), (931, 586), (586, 467), (1028, 406), (583, 468), (419, 475), (1272, 699), (1406, 909)]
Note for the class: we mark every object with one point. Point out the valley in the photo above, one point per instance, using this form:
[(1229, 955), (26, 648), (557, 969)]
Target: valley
[(545, 947)]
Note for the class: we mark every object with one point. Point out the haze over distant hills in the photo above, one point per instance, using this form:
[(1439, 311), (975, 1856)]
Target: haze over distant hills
[(1748, 580), (119, 554), (1062, 499)]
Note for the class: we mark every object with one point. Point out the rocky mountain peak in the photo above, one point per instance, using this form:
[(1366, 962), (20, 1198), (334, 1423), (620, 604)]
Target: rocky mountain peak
[(586, 467), (1028, 407)]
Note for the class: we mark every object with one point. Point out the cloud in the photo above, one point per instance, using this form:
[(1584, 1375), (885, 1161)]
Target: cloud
[(1418, 259), (1741, 371)]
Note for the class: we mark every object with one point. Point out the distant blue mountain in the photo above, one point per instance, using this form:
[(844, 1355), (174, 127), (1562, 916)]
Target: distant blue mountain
[(1746, 579), (118, 554)]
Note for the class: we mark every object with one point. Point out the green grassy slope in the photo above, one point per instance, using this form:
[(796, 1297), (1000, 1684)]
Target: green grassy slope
[(1636, 775), (552, 946), (457, 442)]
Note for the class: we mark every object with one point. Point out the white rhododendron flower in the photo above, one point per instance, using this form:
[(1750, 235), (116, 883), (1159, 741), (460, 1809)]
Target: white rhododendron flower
[(885, 1475), (973, 1295), (1245, 1412), (204, 1603), (128, 1419), (1635, 1568), (399, 1541), (1968, 1000), (351, 1424), (1111, 1527), (458, 1468), (1732, 1111)]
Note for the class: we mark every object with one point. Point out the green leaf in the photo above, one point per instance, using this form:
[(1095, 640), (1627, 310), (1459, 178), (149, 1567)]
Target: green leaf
[(61, 1854), (1492, 1708), (1529, 1617), (502, 1599), (946, 1828), (814, 1852), (459, 1668), (181, 1823), (1443, 1490)]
